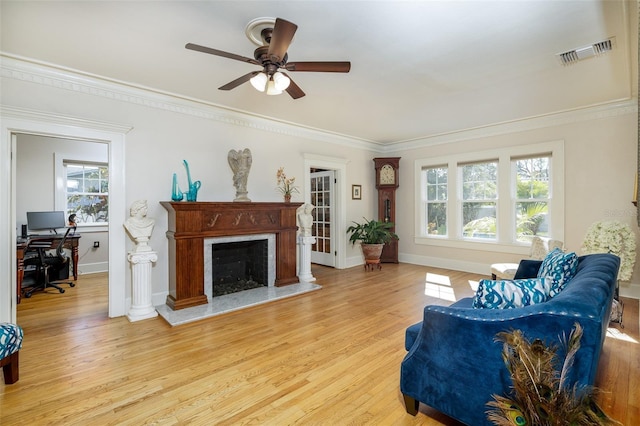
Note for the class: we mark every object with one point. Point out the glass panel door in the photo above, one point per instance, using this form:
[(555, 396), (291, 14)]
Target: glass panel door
[(322, 193)]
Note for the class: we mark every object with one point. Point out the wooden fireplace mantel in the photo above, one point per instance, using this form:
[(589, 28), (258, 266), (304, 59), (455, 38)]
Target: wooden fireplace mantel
[(190, 223)]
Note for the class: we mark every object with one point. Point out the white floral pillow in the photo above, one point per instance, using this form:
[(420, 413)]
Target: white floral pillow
[(560, 267)]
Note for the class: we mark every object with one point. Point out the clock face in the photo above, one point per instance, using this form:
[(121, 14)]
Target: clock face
[(387, 175)]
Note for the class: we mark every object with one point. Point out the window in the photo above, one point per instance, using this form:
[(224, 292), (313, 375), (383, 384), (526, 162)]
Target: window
[(500, 197), (531, 201), (436, 200), (479, 199), (87, 192)]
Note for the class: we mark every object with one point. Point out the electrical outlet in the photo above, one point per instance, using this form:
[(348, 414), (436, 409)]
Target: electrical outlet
[(96, 244)]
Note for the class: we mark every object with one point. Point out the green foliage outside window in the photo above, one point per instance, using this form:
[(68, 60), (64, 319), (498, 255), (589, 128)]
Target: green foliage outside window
[(88, 192), (532, 196), (479, 195), (436, 192), (479, 190)]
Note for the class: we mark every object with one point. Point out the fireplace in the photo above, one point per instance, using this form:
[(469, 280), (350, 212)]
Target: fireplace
[(237, 263), (239, 266), (191, 223)]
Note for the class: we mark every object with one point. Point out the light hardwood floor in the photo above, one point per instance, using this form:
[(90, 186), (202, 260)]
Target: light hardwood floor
[(329, 357)]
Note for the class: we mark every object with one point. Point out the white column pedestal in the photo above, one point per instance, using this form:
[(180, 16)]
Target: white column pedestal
[(141, 305), (304, 258)]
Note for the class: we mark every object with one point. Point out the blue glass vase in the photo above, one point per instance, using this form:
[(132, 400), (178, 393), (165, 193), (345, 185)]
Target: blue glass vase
[(192, 194), (176, 194)]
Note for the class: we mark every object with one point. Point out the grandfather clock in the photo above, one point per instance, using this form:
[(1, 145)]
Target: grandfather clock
[(387, 183)]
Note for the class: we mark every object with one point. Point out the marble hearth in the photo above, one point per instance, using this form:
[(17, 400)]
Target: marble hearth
[(234, 302)]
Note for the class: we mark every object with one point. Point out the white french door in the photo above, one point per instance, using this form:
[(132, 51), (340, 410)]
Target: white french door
[(323, 251)]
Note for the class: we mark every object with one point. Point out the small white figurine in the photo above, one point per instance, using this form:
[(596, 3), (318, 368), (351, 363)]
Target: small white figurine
[(139, 226), (240, 162), (305, 219)]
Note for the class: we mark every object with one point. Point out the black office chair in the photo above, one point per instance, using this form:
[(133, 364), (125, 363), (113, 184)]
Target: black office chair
[(49, 270)]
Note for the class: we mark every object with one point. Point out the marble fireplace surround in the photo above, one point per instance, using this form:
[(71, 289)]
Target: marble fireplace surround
[(208, 257)]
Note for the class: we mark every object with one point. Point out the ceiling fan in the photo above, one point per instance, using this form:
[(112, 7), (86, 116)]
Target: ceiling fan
[(272, 57)]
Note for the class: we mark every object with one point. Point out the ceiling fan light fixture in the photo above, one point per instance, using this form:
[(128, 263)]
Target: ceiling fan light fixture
[(272, 89), (281, 81), (273, 36), (259, 81)]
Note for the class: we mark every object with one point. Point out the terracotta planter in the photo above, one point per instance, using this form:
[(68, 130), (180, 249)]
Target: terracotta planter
[(372, 254)]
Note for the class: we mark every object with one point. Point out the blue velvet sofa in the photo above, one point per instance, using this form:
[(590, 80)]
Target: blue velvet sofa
[(454, 364)]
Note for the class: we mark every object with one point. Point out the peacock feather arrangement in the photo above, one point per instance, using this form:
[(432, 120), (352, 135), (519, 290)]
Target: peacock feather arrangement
[(540, 394)]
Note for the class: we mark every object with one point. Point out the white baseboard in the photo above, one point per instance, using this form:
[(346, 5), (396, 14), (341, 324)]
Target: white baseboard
[(159, 298), (93, 268), (631, 290), (436, 262), (454, 264), (354, 261)]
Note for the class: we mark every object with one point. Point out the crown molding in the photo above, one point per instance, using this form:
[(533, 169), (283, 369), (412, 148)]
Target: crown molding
[(32, 71), (606, 110), (47, 117), (24, 69)]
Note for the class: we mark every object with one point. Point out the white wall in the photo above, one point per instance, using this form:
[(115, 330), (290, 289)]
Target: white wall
[(166, 131), (600, 159), (600, 166)]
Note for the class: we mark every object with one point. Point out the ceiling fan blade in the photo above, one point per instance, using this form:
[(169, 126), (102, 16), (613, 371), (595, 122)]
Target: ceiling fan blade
[(217, 52), (238, 81), (294, 90), (281, 37), (319, 66)]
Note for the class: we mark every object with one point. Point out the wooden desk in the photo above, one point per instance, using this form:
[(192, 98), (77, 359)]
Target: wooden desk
[(71, 243)]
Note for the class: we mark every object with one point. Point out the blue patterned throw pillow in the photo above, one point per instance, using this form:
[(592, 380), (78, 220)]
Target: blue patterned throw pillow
[(560, 267), (10, 339), (505, 294)]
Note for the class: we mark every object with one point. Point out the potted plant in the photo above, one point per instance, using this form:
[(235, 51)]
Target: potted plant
[(286, 185), (372, 234)]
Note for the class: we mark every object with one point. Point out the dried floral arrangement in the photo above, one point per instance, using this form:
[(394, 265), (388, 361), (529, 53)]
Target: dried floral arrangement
[(540, 394)]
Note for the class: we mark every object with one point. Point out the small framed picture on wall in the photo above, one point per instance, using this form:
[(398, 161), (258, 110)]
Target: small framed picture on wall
[(356, 192)]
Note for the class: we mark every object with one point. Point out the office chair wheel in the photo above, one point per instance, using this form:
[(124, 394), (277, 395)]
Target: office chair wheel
[(61, 290), (72, 285), (27, 295)]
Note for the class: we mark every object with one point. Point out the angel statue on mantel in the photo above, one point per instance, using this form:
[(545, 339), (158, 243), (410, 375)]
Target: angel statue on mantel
[(240, 162)]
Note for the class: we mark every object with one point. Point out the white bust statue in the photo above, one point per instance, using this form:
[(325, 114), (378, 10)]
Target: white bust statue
[(139, 226), (305, 219)]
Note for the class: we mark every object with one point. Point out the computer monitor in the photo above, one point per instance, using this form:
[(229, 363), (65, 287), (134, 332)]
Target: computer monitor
[(38, 221)]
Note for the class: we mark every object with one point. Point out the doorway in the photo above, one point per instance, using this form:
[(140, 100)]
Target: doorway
[(322, 197), (24, 122), (44, 185), (337, 216)]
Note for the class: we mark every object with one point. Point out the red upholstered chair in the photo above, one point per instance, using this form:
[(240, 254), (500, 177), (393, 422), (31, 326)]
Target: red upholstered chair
[(10, 344)]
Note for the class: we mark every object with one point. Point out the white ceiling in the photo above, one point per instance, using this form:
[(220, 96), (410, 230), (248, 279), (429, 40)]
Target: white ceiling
[(419, 68)]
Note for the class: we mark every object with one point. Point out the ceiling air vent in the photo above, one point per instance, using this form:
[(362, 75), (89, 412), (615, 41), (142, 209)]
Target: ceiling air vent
[(575, 55)]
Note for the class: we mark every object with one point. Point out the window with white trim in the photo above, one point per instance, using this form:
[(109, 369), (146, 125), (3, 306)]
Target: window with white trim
[(435, 200), (479, 199), (532, 193), (501, 197), (87, 192)]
